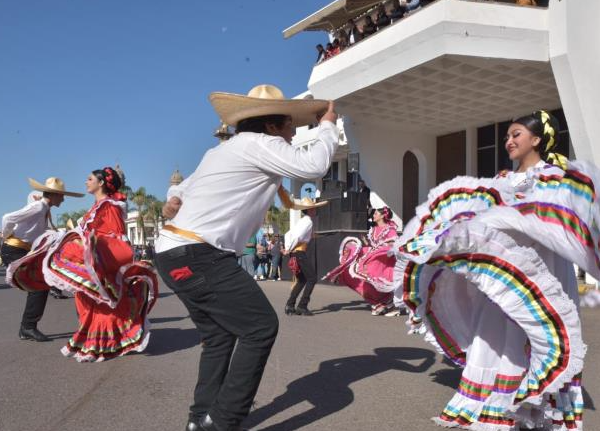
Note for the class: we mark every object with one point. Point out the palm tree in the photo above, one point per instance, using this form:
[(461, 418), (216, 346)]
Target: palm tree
[(140, 199), (279, 218), (74, 215), (155, 211)]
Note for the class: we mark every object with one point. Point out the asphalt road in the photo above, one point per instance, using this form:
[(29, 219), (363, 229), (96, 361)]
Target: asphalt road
[(341, 369)]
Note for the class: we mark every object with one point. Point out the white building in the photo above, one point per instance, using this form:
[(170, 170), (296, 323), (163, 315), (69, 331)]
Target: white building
[(429, 97), (151, 229)]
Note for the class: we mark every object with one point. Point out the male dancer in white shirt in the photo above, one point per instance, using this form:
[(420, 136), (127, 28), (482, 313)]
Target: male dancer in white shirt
[(19, 230), (296, 244), (217, 209)]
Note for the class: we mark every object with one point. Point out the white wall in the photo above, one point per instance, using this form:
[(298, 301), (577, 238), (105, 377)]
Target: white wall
[(575, 57), (382, 150), (455, 27)]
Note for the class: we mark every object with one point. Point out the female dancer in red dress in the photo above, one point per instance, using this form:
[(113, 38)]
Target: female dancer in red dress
[(113, 294), (367, 268)]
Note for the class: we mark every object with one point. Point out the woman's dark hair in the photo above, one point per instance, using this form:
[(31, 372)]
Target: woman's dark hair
[(386, 213), (259, 124), (543, 125), (111, 178)]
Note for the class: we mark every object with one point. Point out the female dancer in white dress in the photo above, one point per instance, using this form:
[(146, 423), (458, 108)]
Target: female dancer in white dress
[(488, 264)]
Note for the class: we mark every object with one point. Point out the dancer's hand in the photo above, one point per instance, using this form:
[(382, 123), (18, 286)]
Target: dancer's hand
[(330, 114), (171, 208)]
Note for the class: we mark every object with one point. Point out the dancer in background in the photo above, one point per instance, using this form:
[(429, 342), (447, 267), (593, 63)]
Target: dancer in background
[(20, 229), (365, 266), (113, 294), (296, 244)]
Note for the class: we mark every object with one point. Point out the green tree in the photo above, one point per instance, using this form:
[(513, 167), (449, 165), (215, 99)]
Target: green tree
[(73, 215), (279, 218), (149, 208)]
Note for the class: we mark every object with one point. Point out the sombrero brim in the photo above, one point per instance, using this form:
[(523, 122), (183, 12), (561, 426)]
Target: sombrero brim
[(299, 206), (42, 188), (233, 108)]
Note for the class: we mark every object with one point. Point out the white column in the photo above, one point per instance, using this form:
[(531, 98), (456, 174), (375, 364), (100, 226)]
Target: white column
[(574, 44), (471, 150)]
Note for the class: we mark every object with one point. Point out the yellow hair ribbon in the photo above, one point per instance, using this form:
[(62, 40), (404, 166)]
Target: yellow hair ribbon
[(558, 160), (548, 131)]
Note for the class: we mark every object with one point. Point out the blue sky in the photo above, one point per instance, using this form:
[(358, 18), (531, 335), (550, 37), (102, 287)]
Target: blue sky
[(86, 84)]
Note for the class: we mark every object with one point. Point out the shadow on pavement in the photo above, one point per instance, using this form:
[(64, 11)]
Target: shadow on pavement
[(165, 294), (328, 389), (169, 340), (447, 377), (5, 286), (588, 402), (352, 305), (167, 319), (59, 336)]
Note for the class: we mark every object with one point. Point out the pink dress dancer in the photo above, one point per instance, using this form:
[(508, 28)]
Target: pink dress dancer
[(368, 270)]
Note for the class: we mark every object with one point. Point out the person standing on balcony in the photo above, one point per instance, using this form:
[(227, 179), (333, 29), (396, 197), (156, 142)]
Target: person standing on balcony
[(382, 19), (354, 34), (368, 27), (321, 53), (412, 5), (213, 213), (398, 11)]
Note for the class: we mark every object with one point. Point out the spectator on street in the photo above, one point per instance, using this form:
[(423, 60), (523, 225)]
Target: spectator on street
[(276, 252), (261, 261), (246, 260)]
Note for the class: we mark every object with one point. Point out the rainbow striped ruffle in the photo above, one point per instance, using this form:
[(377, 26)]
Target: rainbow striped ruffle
[(490, 268)]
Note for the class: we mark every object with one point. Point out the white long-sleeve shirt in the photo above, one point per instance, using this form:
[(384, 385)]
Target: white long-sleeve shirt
[(28, 223), (301, 232), (225, 200)]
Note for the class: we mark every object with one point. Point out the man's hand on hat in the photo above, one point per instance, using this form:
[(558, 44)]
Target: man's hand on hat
[(171, 208), (330, 114)]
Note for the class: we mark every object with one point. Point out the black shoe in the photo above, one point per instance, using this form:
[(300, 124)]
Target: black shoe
[(57, 294), (32, 334), (206, 424), (290, 311), (301, 311)]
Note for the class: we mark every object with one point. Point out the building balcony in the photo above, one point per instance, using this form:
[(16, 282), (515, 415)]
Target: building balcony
[(453, 62)]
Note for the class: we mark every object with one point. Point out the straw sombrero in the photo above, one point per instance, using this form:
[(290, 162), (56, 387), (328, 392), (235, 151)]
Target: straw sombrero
[(307, 203), (53, 185), (266, 100)]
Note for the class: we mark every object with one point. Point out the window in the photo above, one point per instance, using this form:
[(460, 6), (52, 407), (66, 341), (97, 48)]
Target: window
[(504, 162), (486, 151), (332, 173)]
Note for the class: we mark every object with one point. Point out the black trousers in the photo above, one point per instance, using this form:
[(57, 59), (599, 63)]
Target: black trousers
[(36, 301), (228, 308), (305, 281)]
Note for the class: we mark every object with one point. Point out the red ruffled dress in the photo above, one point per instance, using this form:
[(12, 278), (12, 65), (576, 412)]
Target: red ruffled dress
[(113, 294), (368, 270)]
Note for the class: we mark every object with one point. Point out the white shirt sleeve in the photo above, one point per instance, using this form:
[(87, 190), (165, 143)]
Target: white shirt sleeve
[(276, 156), (177, 191), (10, 220)]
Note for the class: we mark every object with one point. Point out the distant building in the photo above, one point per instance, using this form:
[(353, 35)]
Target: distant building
[(150, 228)]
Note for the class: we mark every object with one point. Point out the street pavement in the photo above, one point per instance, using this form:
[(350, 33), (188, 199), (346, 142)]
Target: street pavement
[(341, 369)]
